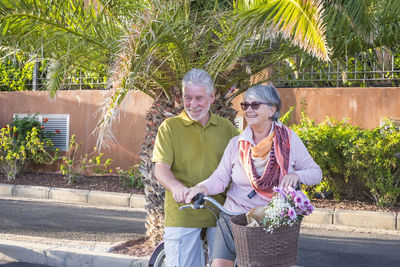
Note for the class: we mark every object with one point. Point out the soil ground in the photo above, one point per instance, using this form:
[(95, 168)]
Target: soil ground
[(141, 247)]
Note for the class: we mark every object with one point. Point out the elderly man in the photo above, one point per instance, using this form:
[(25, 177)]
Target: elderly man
[(188, 149)]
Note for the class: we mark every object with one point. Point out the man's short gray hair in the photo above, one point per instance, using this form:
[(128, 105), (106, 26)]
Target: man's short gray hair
[(199, 77), (266, 94)]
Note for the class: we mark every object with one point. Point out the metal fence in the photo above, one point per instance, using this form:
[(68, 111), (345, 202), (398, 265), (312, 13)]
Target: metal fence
[(358, 71), (71, 83), (363, 70)]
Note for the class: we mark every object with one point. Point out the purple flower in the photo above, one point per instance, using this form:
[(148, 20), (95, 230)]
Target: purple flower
[(282, 214), (279, 191), (298, 201), (310, 209), (292, 213)]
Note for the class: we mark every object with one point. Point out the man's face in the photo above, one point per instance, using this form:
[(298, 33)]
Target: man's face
[(197, 102)]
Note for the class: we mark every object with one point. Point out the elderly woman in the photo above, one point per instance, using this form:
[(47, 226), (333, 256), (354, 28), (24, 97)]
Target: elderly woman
[(266, 154)]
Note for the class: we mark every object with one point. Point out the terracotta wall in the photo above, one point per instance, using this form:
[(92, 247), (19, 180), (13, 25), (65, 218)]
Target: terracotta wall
[(129, 129), (364, 107)]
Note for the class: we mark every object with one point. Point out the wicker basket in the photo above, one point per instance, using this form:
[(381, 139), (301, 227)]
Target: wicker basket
[(255, 247)]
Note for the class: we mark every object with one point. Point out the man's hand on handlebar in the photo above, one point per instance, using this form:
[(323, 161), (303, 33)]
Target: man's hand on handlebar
[(179, 194), (190, 193)]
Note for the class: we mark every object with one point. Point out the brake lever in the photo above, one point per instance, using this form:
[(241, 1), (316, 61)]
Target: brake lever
[(186, 206), (191, 206)]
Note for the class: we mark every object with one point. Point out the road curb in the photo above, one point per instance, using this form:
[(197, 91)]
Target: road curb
[(51, 255), (366, 219), (363, 219)]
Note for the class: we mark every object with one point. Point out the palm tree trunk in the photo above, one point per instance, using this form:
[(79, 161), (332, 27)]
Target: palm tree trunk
[(161, 109)]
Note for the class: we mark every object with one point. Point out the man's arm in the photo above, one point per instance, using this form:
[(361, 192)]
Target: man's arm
[(167, 179)]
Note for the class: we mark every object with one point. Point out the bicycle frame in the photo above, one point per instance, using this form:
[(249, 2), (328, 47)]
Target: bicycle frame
[(158, 255)]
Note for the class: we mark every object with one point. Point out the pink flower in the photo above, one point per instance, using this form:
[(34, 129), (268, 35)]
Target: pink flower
[(298, 201), (279, 191), (292, 213), (282, 214)]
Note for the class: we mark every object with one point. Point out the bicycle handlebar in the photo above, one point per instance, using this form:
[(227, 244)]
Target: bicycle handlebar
[(200, 199)]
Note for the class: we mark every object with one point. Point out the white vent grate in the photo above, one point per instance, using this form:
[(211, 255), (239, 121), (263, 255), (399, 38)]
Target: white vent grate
[(239, 123), (54, 123)]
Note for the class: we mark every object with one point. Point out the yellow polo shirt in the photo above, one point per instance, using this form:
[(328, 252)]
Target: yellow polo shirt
[(193, 151)]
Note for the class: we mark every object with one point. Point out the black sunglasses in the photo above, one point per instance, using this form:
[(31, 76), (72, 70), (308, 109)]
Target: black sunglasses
[(254, 105)]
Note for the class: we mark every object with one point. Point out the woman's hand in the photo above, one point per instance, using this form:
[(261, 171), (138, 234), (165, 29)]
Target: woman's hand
[(290, 179), (193, 191)]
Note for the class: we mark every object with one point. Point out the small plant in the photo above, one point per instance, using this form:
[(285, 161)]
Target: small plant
[(18, 148), (131, 177), (74, 168), (287, 116)]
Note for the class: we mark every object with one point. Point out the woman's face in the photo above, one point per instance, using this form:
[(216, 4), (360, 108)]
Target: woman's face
[(257, 116)]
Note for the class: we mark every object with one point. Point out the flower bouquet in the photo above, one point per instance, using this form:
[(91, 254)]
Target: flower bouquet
[(272, 238), (287, 207)]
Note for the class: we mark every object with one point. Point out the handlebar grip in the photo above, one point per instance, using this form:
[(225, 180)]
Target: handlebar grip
[(198, 200), (297, 187)]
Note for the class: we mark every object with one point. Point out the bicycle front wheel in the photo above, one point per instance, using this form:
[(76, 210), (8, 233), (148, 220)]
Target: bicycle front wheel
[(157, 259), (160, 260)]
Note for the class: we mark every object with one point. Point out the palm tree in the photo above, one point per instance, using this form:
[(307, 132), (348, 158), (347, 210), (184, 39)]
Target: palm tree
[(150, 45), (71, 35), (171, 39)]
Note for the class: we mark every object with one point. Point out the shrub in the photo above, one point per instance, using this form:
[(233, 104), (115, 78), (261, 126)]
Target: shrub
[(378, 163), (332, 145), (16, 73), (20, 147), (131, 177), (355, 162), (74, 167)]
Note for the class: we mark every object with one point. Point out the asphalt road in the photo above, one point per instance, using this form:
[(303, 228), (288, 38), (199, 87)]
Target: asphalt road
[(323, 246), (70, 221), (335, 247)]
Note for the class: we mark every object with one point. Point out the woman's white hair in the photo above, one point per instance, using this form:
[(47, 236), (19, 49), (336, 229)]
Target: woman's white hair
[(266, 94)]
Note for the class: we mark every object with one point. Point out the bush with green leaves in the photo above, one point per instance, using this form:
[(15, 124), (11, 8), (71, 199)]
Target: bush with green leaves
[(332, 145), (356, 163), (20, 147), (74, 167), (131, 178), (16, 73), (377, 163)]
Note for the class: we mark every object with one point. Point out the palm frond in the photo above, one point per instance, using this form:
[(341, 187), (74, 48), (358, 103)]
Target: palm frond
[(62, 31), (55, 77), (357, 13), (300, 22)]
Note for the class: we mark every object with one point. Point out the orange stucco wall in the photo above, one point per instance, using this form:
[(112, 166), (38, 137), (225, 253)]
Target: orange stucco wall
[(364, 106), (128, 129)]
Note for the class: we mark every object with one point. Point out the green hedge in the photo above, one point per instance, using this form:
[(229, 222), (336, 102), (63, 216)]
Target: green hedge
[(356, 163)]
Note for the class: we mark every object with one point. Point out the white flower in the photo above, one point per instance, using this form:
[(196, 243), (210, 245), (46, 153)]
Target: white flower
[(286, 207)]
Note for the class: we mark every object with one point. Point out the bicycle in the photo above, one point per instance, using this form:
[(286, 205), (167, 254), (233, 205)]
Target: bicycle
[(158, 256)]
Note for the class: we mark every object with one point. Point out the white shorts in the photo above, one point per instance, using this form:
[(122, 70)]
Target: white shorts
[(183, 246)]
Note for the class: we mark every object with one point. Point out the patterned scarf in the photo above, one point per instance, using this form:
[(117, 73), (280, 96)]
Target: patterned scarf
[(277, 165)]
